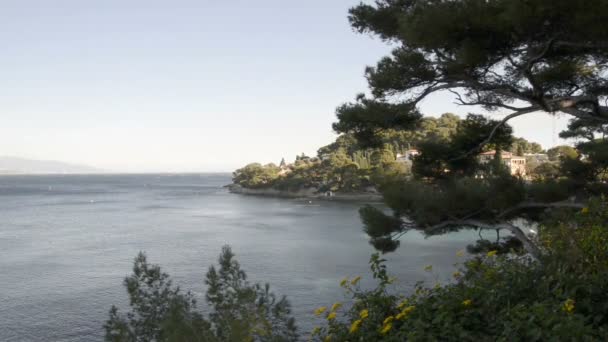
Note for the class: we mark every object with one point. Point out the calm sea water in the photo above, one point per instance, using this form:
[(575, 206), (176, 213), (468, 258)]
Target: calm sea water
[(67, 242)]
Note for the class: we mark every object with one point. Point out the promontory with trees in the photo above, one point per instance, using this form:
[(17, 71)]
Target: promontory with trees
[(511, 58), (347, 167)]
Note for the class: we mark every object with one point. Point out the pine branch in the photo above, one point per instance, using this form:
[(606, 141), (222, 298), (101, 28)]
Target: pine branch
[(528, 244)]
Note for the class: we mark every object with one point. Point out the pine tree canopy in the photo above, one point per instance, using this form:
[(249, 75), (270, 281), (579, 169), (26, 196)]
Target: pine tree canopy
[(513, 57), (516, 55)]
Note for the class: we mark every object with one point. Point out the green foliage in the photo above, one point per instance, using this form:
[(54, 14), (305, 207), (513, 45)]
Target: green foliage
[(429, 128), (505, 245), (544, 171), (581, 242), (596, 157), (356, 118), (561, 297), (440, 159), (562, 151), (161, 312), (426, 204), (303, 173), (345, 142), (551, 190), (379, 227), (534, 49), (381, 157), (255, 175), (521, 146), (585, 129), (348, 166), (520, 56), (243, 311), (341, 173)]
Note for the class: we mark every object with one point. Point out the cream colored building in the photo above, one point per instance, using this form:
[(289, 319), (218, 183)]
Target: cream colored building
[(516, 164)]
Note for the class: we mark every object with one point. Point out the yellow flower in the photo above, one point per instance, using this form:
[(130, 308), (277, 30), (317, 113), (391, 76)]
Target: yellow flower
[(327, 338), (428, 268), (460, 253), (408, 309), (316, 330), (492, 253), (388, 320), (386, 329), (467, 302), (457, 275), (343, 282), (336, 306), (320, 310), (355, 280), (568, 305), (363, 314), (355, 326), (332, 315), (403, 314), (585, 211), (402, 304)]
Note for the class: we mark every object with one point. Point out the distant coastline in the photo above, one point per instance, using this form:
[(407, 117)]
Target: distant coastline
[(22, 166)]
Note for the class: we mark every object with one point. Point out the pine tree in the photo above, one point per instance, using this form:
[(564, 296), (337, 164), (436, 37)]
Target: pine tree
[(501, 55)]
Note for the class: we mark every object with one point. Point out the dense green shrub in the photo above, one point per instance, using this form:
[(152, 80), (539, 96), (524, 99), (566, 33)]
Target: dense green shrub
[(240, 311), (562, 296)]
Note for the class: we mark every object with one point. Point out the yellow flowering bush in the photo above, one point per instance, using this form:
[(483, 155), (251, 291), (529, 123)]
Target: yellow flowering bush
[(386, 328), (568, 306), (364, 313), (320, 310), (486, 291), (496, 296), (407, 310), (354, 327)]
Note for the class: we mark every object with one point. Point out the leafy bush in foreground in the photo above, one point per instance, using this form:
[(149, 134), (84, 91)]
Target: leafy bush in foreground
[(562, 296), (161, 312)]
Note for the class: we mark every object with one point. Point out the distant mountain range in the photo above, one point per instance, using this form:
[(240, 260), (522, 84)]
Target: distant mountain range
[(13, 165)]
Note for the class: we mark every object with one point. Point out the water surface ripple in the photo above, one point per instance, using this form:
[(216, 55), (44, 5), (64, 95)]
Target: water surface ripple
[(67, 242)]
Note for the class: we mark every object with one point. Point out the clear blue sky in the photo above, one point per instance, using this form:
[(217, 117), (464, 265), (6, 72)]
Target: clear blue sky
[(184, 85)]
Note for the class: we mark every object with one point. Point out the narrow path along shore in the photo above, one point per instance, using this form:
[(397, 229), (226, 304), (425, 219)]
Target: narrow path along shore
[(306, 193)]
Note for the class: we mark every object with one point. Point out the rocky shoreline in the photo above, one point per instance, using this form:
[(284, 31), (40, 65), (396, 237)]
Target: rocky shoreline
[(309, 193)]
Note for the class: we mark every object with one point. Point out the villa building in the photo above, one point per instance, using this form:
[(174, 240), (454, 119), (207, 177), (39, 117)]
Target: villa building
[(515, 164)]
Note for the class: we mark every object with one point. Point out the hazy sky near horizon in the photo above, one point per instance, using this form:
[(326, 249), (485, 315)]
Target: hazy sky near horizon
[(185, 85)]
